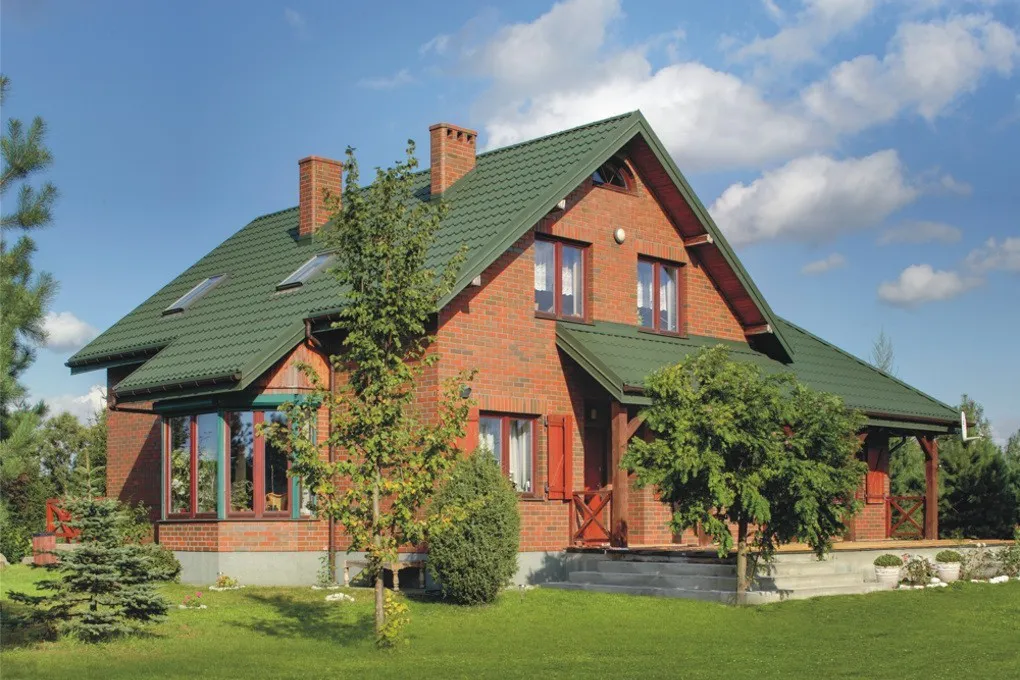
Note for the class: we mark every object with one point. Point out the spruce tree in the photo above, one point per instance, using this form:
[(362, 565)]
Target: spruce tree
[(106, 587)]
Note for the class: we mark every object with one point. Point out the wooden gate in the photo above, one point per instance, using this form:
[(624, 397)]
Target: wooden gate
[(591, 516)]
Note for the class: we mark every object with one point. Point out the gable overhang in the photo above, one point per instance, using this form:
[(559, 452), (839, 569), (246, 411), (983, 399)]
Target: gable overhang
[(688, 214), (603, 375)]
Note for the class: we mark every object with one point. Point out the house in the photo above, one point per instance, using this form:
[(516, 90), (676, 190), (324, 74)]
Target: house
[(590, 263)]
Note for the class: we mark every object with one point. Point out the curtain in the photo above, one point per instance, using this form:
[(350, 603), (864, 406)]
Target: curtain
[(667, 299), (544, 265), (520, 454)]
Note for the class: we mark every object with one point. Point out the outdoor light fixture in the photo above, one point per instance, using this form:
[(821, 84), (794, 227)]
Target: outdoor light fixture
[(465, 392), (620, 235)]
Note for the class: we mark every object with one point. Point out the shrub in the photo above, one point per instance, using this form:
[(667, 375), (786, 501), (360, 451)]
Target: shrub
[(949, 557), (888, 560), (105, 586), (1009, 557), (473, 553), (15, 543), (980, 563), (165, 564), (919, 570)]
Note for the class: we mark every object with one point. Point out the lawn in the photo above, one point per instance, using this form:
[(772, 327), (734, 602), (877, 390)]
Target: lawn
[(968, 630)]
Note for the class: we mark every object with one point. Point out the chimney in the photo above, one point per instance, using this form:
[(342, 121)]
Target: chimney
[(314, 175), (452, 154)]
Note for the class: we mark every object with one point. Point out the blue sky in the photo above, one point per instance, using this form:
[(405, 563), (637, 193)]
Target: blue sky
[(861, 154)]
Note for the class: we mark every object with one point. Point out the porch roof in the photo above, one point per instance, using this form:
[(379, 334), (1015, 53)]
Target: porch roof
[(620, 357)]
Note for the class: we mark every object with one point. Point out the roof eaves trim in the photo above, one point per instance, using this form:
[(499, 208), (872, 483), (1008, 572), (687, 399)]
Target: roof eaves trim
[(591, 364), (156, 388)]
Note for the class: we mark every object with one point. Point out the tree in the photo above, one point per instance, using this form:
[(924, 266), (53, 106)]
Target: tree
[(393, 452), (61, 440), (106, 586), (882, 355), (736, 446), (25, 295)]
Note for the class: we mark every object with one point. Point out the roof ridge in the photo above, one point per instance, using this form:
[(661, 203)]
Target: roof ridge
[(864, 363), (543, 138)]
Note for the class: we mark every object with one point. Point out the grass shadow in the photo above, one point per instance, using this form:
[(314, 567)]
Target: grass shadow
[(18, 628), (311, 620)]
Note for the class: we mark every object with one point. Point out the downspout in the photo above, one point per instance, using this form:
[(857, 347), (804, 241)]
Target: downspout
[(330, 523)]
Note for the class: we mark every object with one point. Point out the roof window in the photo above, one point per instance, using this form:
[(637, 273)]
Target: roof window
[(305, 271), (195, 293)]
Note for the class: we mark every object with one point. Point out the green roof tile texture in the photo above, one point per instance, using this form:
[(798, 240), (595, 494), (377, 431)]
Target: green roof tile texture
[(244, 324), (624, 356)]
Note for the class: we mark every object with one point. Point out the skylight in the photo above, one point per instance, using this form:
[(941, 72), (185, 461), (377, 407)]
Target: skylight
[(198, 291), (305, 271)]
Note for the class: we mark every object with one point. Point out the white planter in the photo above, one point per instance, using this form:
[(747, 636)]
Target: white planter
[(888, 576), (948, 571)]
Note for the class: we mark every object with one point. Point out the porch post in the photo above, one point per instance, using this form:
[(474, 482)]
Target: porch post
[(930, 446), (618, 438)]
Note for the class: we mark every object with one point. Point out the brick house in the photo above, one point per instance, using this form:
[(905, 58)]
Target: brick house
[(590, 264)]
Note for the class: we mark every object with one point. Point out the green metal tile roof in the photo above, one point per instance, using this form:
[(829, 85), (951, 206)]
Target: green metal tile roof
[(620, 357)]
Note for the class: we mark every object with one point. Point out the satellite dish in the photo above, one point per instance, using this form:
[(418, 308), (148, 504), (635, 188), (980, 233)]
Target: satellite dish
[(963, 429)]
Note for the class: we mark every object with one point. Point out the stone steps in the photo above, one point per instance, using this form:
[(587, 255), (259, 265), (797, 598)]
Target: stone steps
[(685, 582)]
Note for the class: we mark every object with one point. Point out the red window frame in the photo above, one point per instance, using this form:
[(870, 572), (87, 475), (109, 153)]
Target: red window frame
[(558, 245), (192, 512), (656, 326), (258, 472), (622, 170), (504, 444)]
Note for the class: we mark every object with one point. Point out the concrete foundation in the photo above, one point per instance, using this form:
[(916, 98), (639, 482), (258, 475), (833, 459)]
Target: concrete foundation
[(302, 568)]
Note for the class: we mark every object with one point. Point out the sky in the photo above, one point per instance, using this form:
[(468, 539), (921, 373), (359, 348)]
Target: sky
[(859, 154)]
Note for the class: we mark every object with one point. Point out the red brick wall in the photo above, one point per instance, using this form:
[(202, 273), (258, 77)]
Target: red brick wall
[(133, 443), (494, 329)]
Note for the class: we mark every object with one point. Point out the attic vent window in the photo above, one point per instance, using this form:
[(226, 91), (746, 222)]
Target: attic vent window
[(195, 293), (305, 271), (611, 173)]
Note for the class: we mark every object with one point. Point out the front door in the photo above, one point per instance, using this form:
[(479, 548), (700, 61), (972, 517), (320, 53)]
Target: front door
[(596, 471)]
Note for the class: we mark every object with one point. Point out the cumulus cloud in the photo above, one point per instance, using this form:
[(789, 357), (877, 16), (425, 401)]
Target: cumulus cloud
[(556, 72), (994, 255), (814, 198), (817, 24), (928, 67), (65, 332), (401, 77), (834, 261), (920, 283), (82, 406), (920, 231)]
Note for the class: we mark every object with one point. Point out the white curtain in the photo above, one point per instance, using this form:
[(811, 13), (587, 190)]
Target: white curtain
[(520, 454), (489, 437), (544, 257), (667, 298)]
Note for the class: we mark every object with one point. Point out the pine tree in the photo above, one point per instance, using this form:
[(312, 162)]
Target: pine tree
[(106, 586), (882, 355)]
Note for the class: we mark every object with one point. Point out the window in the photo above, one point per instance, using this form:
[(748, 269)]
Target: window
[(193, 464), (198, 291), (612, 173), (257, 484), (559, 279), (658, 296), (511, 440), (305, 271)]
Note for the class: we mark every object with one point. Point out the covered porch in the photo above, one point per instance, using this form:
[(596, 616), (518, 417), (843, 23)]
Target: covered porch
[(607, 511)]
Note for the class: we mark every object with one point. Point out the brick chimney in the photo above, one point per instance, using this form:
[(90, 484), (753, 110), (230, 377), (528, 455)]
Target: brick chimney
[(452, 154), (315, 174)]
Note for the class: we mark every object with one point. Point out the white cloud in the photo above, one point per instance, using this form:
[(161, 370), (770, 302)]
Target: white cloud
[(555, 73), (928, 67), (814, 198), (773, 10), (293, 18), (920, 231), (65, 332), (401, 77), (82, 406), (814, 27), (951, 185), (919, 284), (996, 256), (439, 44), (834, 261)]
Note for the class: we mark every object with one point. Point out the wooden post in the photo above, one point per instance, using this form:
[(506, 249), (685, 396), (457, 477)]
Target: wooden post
[(619, 435), (930, 446)]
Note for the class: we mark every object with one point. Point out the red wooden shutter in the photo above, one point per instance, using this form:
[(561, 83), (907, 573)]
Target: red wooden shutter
[(559, 432), (874, 486), (469, 442)]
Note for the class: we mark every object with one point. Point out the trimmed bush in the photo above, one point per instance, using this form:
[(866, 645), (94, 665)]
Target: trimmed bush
[(473, 553), (949, 557), (164, 563), (888, 560)]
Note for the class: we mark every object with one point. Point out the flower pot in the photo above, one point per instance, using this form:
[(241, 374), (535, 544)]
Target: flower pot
[(948, 571), (888, 576)]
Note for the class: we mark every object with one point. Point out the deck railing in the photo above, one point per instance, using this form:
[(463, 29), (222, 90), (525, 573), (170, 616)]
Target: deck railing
[(58, 521), (904, 517), (591, 516)]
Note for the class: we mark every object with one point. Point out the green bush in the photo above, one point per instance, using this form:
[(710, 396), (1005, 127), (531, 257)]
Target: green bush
[(164, 563), (1009, 557), (15, 543), (473, 554), (949, 557), (888, 560)]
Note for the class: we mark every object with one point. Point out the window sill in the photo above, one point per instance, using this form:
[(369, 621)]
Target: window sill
[(611, 187), (668, 334), (568, 319)]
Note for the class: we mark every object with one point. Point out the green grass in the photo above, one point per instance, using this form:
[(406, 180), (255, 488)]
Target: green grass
[(968, 630)]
